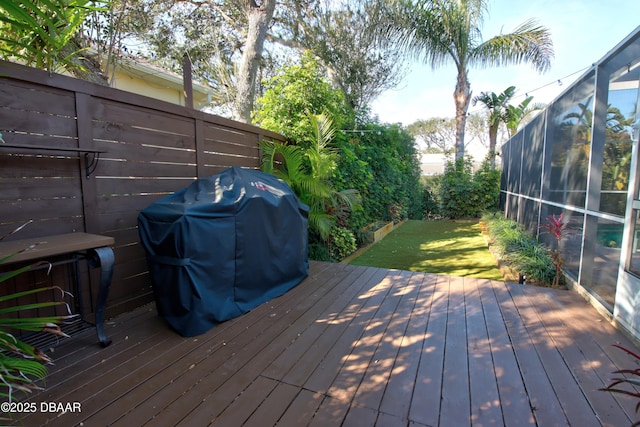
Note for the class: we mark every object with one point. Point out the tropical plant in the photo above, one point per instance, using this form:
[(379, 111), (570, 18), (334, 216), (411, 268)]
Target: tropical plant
[(308, 171), (379, 161), (631, 377), (22, 364), (514, 115), (38, 32), (440, 31), (560, 230), (495, 105)]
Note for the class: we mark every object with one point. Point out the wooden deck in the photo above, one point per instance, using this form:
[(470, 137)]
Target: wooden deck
[(354, 346)]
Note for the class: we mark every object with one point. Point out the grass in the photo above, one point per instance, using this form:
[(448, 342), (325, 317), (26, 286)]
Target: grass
[(454, 248)]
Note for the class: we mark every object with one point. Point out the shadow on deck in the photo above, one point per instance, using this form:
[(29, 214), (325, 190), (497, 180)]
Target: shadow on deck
[(354, 346)]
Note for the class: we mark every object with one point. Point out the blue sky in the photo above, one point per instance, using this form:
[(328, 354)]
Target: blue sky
[(583, 31)]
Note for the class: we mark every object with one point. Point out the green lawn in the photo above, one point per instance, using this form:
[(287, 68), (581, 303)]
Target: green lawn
[(455, 248)]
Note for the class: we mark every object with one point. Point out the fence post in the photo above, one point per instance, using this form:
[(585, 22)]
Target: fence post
[(187, 81)]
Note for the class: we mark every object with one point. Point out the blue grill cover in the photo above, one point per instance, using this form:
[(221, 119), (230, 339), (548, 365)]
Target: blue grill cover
[(222, 246)]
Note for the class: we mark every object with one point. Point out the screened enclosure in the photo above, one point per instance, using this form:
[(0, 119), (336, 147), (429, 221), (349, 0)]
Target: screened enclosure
[(579, 157)]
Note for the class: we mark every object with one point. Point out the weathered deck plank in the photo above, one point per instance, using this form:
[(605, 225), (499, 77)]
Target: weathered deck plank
[(355, 346)]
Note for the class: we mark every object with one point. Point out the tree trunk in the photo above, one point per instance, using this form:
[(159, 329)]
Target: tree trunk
[(259, 18), (462, 97), (493, 138)]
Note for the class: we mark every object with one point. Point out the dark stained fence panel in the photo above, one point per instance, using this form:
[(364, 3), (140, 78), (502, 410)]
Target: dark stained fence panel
[(149, 149)]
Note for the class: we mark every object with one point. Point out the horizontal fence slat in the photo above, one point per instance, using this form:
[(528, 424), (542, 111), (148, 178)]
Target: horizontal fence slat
[(22, 188), (37, 167), (42, 209), (126, 185), (252, 162), (124, 134), (18, 95), (33, 122), (232, 149), (39, 228), (221, 134), (127, 205), (111, 168), (127, 117), (135, 153)]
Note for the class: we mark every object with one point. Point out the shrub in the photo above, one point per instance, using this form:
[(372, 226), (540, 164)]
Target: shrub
[(486, 187), (519, 250), (457, 199), (378, 161), (342, 243), (465, 194), (533, 261), (430, 197), (297, 90), (382, 164)]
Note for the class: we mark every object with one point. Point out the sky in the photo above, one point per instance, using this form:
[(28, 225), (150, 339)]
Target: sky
[(583, 31)]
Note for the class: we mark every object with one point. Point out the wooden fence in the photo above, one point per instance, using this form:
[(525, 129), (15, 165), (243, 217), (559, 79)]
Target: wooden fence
[(76, 156)]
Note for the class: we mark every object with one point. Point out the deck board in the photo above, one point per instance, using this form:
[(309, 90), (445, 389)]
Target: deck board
[(355, 346), (483, 385)]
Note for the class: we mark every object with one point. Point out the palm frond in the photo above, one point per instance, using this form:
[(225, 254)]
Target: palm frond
[(529, 43), (20, 362), (308, 171)]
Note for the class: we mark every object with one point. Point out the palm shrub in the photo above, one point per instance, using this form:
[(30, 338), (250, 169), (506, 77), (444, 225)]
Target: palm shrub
[(21, 364), (308, 171)]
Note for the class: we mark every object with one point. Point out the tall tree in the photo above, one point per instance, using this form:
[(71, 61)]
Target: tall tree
[(107, 32), (440, 31), (514, 115), (225, 40), (496, 105), (437, 133), (222, 38), (346, 39), (259, 18)]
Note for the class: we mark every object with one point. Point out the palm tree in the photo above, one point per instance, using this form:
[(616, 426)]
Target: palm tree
[(514, 115), (440, 31), (496, 106)]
